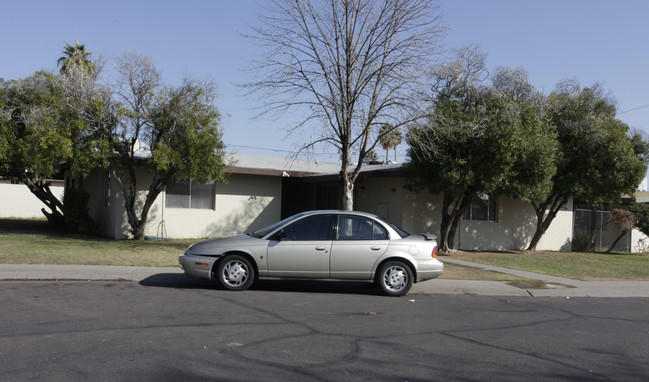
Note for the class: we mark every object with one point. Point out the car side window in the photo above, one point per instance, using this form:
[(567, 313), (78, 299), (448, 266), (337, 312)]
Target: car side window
[(379, 232), (315, 227), (359, 228)]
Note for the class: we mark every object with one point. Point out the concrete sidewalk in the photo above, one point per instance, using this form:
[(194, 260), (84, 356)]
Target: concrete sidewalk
[(553, 286)]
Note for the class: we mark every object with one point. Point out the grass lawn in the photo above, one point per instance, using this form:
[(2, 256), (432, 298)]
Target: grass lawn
[(573, 265), (34, 242)]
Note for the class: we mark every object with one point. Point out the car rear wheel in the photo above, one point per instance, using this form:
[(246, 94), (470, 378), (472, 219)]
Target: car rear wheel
[(235, 272), (394, 278)]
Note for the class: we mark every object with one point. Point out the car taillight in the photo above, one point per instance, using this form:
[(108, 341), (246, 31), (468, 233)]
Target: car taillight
[(435, 250)]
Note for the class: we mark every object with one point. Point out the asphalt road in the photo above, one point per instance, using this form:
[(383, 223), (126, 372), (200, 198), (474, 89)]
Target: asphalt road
[(176, 328)]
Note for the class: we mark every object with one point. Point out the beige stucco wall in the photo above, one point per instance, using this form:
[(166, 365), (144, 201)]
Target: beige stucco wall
[(639, 242), (514, 228), (16, 201), (420, 212), (381, 196), (246, 203)]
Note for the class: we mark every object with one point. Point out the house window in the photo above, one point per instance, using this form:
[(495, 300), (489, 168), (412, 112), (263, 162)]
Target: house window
[(483, 208), (189, 194)]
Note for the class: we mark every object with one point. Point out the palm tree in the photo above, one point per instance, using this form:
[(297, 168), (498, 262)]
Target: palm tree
[(390, 138), (76, 55)]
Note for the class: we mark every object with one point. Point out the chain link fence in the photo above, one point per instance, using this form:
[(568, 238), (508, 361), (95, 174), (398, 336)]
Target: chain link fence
[(593, 222)]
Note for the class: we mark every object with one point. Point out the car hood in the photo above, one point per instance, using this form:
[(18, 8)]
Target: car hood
[(218, 246)]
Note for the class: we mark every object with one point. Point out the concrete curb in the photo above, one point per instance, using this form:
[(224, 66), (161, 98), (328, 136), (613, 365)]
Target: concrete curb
[(557, 286)]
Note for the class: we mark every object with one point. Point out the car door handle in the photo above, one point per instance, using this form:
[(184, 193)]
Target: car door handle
[(375, 248), (320, 248)]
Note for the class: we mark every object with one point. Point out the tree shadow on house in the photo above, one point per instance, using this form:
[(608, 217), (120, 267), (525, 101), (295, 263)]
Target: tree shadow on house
[(252, 215)]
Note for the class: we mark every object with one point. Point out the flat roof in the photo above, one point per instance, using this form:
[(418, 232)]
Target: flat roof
[(291, 167), (277, 166)]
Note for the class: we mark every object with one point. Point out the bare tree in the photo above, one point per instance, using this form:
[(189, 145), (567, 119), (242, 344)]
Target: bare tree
[(354, 65)]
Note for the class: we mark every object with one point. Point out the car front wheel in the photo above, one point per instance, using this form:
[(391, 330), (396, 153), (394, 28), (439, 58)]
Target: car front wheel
[(394, 278), (235, 273)]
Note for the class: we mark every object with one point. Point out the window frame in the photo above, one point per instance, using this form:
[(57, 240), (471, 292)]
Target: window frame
[(284, 236), (187, 203), (375, 224), (491, 212)]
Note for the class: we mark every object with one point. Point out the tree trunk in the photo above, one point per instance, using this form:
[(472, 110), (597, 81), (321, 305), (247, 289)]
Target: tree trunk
[(443, 231), (41, 190), (615, 242), (453, 229), (465, 202), (452, 210), (594, 236), (348, 195), (130, 194), (555, 203), (540, 213)]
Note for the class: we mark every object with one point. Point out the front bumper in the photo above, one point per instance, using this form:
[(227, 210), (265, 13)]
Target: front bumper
[(197, 266)]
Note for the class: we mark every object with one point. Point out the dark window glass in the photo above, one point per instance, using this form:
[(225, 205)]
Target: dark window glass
[(189, 194), (359, 228), (483, 208), (380, 233), (316, 227)]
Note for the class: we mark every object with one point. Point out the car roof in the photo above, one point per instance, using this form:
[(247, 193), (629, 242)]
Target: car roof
[(338, 212)]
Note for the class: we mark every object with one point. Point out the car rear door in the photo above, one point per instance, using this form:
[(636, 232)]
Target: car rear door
[(302, 248), (359, 242)]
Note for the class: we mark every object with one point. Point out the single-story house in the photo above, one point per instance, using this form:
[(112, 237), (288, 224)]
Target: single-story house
[(262, 190)]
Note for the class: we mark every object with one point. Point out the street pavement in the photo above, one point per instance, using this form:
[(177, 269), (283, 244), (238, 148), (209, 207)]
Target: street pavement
[(550, 286)]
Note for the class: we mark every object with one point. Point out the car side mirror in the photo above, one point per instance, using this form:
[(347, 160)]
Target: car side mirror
[(279, 235)]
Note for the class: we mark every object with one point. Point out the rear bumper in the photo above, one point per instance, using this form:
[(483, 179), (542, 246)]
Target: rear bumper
[(429, 269)]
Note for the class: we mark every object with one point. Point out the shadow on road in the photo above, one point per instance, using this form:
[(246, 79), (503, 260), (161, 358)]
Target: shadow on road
[(181, 281)]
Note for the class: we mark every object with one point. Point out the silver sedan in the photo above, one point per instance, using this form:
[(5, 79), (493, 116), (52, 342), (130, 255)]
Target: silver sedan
[(345, 245)]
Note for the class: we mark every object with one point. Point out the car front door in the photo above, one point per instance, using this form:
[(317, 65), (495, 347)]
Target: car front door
[(359, 242), (302, 248)]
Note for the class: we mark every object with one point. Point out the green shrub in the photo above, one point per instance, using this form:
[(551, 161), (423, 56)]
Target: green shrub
[(75, 210), (641, 212)]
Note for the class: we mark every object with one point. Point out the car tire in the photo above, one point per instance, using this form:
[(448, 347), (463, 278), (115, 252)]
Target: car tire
[(394, 278), (235, 272)]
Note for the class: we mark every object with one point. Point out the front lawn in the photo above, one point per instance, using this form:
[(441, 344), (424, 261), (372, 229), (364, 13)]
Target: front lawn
[(34, 242), (573, 265)]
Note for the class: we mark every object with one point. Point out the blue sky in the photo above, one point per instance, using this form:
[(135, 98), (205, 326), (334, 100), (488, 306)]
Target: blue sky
[(590, 40)]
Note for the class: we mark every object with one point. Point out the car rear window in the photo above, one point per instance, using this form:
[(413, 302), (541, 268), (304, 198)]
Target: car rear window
[(401, 232)]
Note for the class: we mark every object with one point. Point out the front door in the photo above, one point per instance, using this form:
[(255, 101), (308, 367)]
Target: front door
[(301, 249)]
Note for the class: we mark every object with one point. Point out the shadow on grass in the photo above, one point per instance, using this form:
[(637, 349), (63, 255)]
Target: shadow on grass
[(35, 226)]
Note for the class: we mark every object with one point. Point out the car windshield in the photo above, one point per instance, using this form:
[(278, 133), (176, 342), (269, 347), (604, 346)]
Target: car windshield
[(265, 231)]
